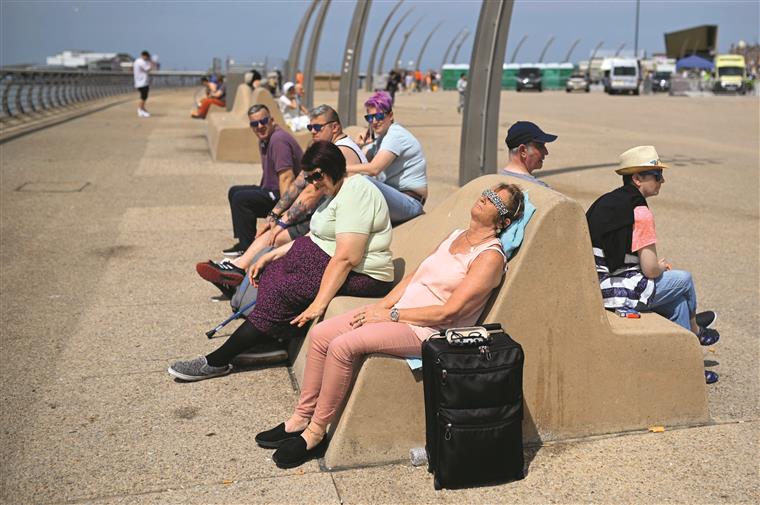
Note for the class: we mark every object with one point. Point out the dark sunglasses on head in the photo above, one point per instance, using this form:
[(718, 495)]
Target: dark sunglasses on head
[(316, 127), (263, 122), (657, 174), (377, 116), (313, 177)]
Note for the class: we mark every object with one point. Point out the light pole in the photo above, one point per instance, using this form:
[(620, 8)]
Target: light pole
[(311, 55), (572, 48), (451, 45), (397, 61), (546, 48), (381, 65), (295, 46), (424, 45), (349, 71), (459, 46)]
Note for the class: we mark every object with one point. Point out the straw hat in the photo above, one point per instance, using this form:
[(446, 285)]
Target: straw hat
[(639, 159)]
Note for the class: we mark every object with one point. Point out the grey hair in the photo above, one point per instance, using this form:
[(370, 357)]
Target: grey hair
[(256, 108), (513, 152), (324, 110)]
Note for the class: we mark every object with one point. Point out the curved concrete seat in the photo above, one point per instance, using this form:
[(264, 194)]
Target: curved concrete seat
[(229, 135), (587, 371)]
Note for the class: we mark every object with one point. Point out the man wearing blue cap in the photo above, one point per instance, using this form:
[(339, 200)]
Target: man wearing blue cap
[(526, 144)]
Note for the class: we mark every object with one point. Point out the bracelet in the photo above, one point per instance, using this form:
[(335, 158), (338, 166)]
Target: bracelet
[(281, 224), (274, 216)]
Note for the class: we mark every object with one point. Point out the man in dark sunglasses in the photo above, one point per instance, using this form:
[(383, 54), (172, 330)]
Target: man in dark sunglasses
[(324, 124), (280, 163), (631, 274)]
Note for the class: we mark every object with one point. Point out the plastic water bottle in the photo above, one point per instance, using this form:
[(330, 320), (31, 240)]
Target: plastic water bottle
[(418, 456)]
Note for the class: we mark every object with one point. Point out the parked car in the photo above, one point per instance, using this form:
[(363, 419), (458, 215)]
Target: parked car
[(661, 81), (623, 75), (529, 78), (578, 82)]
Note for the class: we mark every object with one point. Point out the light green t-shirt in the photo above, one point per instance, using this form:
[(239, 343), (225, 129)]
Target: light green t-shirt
[(359, 207)]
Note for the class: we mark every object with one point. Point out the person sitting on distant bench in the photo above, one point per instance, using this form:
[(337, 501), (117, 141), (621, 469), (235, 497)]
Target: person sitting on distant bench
[(396, 165), (289, 219), (631, 275), (450, 288), (526, 145), (295, 114), (216, 94)]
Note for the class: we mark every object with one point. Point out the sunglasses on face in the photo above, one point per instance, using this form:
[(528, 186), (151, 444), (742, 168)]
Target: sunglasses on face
[(377, 116), (313, 177), (316, 127), (263, 122), (656, 173)]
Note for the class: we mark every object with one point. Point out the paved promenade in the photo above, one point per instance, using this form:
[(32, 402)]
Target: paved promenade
[(103, 218)]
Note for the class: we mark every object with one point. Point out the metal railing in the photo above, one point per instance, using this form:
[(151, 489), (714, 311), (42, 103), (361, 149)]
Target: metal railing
[(30, 92)]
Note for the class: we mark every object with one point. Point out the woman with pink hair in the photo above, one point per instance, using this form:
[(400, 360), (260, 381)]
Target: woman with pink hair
[(396, 164)]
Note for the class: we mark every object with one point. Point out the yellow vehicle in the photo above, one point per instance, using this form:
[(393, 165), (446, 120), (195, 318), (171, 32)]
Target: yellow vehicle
[(731, 73)]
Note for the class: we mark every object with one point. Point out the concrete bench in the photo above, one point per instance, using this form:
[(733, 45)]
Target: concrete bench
[(587, 371), (229, 135)]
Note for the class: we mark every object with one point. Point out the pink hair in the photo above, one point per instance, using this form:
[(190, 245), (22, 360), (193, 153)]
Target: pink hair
[(381, 101)]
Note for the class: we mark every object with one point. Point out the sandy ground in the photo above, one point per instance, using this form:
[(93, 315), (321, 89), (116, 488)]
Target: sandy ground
[(103, 218)]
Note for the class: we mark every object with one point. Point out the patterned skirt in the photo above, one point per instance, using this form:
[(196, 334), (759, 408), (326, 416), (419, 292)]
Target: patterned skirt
[(288, 286)]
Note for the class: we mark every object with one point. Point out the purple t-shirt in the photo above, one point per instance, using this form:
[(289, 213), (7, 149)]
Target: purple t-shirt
[(281, 153)]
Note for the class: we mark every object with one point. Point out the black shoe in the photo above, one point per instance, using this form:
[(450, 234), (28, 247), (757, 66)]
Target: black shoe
[(227, 290), (234, 251), (293, 452), (708, 336), (707, 318), (265, 353), (274, 438)]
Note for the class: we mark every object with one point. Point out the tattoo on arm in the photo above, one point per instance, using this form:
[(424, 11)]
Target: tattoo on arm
[(298, 212), (287, 199)]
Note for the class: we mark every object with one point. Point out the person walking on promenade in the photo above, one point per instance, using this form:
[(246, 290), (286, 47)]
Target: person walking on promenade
[(280, 162), (141, 71), (396, 165), (526, 143), (631, 274), (462, 89), (347, 253), (450, 288)]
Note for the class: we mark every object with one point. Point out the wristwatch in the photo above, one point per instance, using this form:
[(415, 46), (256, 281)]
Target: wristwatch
[(394, 315)]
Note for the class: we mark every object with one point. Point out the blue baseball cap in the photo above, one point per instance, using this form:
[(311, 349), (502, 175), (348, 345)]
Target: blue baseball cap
[(523, 132)]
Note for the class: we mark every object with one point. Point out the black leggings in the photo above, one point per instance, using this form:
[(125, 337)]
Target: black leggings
[(245, 337)]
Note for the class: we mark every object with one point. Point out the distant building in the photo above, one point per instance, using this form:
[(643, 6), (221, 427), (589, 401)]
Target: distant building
[(108, 62), (700, 41)]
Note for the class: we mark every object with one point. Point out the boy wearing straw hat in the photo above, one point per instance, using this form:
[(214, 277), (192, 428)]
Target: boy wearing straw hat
[(623, 236)]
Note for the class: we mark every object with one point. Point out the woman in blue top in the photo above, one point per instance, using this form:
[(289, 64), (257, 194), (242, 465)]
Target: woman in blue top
[(396, 161)]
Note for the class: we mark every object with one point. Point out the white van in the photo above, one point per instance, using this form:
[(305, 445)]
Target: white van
[(622, 75)]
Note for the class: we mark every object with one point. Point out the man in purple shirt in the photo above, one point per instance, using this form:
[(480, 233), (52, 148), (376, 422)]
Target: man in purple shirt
[(281, 163)]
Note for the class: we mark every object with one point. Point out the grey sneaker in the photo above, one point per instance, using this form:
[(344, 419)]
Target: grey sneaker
[(197, 369), (267, 353)]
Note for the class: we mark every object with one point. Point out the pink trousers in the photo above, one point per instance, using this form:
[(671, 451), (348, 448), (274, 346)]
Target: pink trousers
[(334, 348)]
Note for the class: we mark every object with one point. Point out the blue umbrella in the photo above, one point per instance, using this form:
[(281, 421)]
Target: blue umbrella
[(694, 62)]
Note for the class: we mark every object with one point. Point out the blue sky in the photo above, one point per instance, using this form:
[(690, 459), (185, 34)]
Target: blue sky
[(187, 35)]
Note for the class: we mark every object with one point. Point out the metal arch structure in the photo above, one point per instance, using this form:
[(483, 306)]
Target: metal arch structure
[(617, 53), (546, 48), (459, 46), (451, 46), (480, 119), (425, 44), (311, 55), (572, 48), (349, 71), (591, 59), (297, 44), (519, 45), (381, 65), (371, 65), (397, 61)]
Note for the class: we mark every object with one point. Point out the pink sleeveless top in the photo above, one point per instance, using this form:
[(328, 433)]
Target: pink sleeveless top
[(438, 276)]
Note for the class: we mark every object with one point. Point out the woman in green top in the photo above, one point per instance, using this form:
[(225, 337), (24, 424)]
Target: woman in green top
[(346, 253)]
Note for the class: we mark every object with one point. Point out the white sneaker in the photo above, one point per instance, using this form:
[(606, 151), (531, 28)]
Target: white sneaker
[(143, 113)]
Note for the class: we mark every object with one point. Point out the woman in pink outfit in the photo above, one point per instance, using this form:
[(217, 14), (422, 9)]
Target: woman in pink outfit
[(449, 289)]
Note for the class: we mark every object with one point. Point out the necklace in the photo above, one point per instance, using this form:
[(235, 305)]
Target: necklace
[(474, 245)]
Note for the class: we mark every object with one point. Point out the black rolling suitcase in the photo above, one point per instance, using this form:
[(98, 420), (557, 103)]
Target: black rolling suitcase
[(472, 379)]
